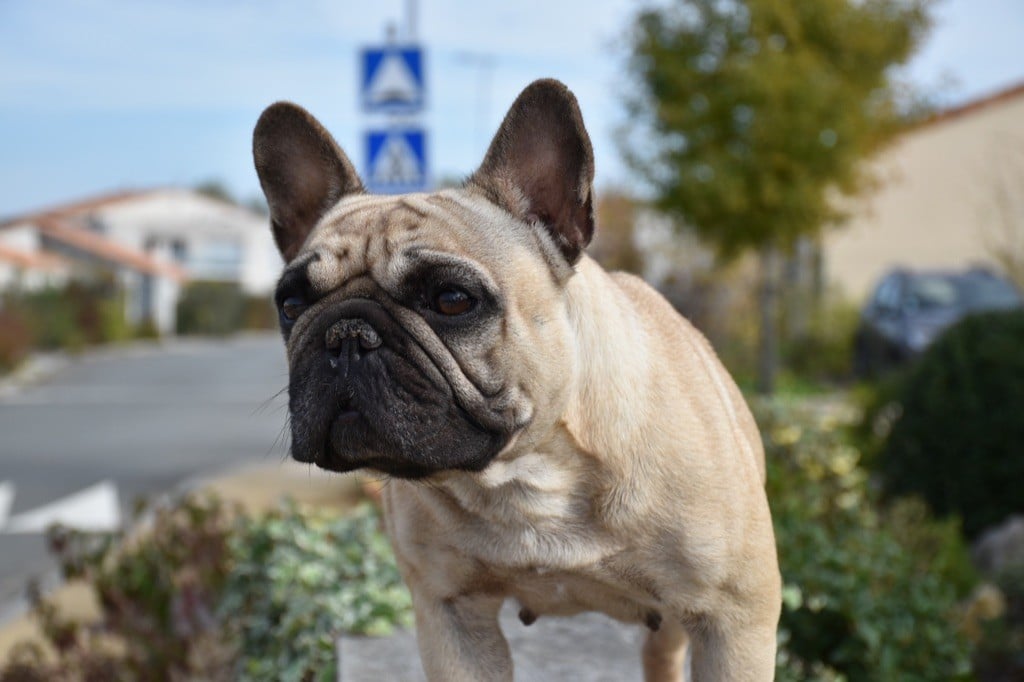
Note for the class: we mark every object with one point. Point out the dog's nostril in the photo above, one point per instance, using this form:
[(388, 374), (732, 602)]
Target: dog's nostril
[(361, 330)]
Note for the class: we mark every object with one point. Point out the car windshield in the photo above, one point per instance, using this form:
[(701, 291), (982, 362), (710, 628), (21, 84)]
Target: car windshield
[(988, 292), (972, 291), (931, 292)]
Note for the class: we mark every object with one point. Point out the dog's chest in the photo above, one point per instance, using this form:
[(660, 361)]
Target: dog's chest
[(557, 593), (534, 532)]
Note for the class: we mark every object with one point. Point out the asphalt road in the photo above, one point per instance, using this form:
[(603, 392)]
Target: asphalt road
[(145, 419)]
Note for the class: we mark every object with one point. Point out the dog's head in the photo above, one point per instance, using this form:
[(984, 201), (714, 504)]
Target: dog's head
[(426, 332)]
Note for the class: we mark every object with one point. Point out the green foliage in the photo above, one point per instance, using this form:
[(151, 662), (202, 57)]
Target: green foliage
[(956, 426), (157, 594), (870, 593), (68, 317), (15, 338), (1000, 653), (204, 592), (53, 318), (259, 312), (824, 352), (212, 308), (755, 110), (300, 579), (221, 308)]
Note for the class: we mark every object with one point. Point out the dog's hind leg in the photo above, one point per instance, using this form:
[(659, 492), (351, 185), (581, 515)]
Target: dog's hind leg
[(664, 652)]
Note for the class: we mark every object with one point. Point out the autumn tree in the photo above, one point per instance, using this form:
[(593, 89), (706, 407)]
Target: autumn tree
[(752, 119)]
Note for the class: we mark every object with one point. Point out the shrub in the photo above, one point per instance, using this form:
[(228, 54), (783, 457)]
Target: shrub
[(52, 317), (300, 579), (157, 594), (221, 308), (205, 592), (210, 308), (825, 350), (957, 426), (1000, 654), (72, 316), (870, 594), (15, 338), (259, 313)]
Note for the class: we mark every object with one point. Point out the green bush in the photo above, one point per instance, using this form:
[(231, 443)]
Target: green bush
[(300, 579), (72, 316), (824, 352), (15, 338), (1000, 655), (870, 593), (957, 423), (205, 592), (210, 308), (221, 308), (157, 593), (259, 313), (52, 318)]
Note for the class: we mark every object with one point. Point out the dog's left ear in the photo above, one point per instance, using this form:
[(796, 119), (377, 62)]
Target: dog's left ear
[(540, 166), (302, 171)]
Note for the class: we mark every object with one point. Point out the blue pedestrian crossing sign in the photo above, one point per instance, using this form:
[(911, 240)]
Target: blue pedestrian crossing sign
[(392, 79), (396, 161)]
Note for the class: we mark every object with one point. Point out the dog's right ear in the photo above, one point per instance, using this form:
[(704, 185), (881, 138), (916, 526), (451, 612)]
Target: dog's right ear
[(540, 166), (302, 171)]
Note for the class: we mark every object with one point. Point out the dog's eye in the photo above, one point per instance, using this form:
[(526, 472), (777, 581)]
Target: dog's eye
[(453, 302), (292, 307)]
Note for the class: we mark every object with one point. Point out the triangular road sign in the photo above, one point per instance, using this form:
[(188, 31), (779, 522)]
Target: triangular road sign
[(396, 161), (392, 79), (392, 82)]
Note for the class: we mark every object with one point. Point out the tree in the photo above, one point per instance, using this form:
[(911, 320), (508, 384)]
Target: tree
[(756, 115)]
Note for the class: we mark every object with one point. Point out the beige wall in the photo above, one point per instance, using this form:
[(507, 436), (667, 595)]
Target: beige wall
[(952, 189)]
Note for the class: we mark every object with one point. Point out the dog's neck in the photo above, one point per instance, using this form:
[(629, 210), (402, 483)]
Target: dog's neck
[(542, 495)]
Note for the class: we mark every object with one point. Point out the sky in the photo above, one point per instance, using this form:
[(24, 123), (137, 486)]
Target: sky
[(104, 95)]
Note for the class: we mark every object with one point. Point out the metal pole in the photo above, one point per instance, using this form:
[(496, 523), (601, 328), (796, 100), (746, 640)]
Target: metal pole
[(484, 63), (411, 17)]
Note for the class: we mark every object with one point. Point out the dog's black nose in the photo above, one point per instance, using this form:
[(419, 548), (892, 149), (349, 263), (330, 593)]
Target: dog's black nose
[(351, 335)]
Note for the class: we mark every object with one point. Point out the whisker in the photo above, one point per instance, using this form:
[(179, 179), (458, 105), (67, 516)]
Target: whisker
[(259, 409)]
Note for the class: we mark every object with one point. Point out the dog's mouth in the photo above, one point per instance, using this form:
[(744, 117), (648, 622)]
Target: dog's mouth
[(386, 407)]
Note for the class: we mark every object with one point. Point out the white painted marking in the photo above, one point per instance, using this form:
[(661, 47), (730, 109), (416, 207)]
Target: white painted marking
[(396, 163), (393, 81), (6, 500), (93, 509)]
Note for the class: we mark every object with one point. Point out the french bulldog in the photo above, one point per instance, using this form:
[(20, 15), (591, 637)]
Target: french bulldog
[(553, 433)]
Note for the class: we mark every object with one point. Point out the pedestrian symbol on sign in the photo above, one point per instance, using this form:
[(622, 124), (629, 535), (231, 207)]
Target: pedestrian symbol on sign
[(396, 161)]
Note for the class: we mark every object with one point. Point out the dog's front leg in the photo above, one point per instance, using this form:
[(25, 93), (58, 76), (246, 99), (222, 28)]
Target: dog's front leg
[(460, 640), (664, 653), (734, 650)]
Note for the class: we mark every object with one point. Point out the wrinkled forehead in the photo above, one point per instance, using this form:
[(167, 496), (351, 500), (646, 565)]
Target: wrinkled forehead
[(384, 237)]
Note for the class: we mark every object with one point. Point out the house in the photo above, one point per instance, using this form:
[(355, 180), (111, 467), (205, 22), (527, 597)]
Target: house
[(952, 197), (152, 242)]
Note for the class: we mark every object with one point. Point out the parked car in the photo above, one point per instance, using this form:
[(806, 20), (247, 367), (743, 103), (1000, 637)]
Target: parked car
[(908, 310)]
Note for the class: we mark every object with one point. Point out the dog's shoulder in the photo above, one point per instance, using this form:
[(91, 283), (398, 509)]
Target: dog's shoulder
[(685, 338)]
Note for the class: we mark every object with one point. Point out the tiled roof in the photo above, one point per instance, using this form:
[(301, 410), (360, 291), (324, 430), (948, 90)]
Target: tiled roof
[(81, 206), (33, 260), (66, 232), (976, 105)]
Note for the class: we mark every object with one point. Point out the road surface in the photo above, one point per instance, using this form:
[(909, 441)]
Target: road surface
[(123, 423)]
